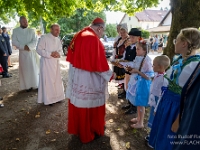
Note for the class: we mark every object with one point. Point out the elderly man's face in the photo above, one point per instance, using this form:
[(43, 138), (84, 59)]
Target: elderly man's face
[(23, 23), (55, 31)]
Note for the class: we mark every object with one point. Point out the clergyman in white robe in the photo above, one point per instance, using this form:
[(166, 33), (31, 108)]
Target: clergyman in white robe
[(28, 60), (51, 88)]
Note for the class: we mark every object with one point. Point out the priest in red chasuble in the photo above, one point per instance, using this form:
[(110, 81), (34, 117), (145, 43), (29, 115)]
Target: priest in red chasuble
[(87, 88)]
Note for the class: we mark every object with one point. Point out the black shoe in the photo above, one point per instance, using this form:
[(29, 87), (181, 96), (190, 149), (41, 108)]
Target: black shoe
[(7, 76), (127, 106), (50, 105), (96, 136), (1, 98), (29, 90), (10, 66), (131, 110), (1, 105)]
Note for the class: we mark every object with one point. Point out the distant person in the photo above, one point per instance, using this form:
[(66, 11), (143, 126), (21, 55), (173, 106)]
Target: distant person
[(4, 53), (155, 44), (24, 39), (164, 40), (151, 42), (7, 38), (51, 88), (105, 38), (160, 45)]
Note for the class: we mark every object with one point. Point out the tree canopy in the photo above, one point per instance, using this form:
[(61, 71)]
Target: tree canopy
[(48, 9)]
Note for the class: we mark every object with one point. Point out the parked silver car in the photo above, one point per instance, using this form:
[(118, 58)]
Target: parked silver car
[(108, 48)]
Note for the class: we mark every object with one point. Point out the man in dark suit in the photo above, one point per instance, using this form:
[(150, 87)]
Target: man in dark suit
[(7, 39), (4, 56)]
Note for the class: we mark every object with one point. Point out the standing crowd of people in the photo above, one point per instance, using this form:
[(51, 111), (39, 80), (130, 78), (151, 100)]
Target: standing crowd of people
[(166, 89), (172, 92), (157, 43)]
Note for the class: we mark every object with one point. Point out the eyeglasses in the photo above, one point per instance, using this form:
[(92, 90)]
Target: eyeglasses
[(174, 41), (102, 27)]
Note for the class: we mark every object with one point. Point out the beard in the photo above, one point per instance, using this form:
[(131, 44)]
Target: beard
[(23, 26)]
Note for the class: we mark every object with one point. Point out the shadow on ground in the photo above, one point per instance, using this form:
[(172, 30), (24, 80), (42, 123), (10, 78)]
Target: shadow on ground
[(26, 125)]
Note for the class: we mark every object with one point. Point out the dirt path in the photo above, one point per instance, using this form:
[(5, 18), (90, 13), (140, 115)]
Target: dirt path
[(26, 125)]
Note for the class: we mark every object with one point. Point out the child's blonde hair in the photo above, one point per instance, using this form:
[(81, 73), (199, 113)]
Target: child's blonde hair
[(163, 60), (192, 36)]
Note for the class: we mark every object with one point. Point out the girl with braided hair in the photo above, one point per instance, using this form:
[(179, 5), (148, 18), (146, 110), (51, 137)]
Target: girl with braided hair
[(139, 84), (166, 120)]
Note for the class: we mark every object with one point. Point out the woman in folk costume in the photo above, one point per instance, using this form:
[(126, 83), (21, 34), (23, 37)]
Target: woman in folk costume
[(89, 75), (120, 46), (166, 120), (189, 114), (139, 84)]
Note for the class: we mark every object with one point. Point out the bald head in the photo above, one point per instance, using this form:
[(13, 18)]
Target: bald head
[(55, 30), (23, 22)]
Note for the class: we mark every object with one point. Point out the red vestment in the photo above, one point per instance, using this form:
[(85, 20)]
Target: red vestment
[(1, 69), (86, 52)]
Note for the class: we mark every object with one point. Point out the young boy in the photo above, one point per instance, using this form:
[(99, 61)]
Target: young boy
[(129, 55), (160, 64)]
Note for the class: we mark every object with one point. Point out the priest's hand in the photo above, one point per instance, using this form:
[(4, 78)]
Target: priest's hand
[(55, 54), (26, 48)]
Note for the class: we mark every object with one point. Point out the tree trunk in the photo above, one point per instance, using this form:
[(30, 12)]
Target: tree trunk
[(185, 13)]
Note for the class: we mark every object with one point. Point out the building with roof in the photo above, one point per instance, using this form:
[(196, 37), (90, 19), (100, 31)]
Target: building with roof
[(146, 19), (164, 26)]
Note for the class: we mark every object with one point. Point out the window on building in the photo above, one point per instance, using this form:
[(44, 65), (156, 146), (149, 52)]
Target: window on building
[(147, 26), (129, 18)]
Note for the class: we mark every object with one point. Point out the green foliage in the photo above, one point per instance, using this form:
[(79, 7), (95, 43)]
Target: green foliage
[(50, 9), (79, 20), (145, 34), (111, 30)]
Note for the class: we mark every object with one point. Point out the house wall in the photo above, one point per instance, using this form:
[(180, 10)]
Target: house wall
[(147, 25), (168, 20), (132, 22)]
